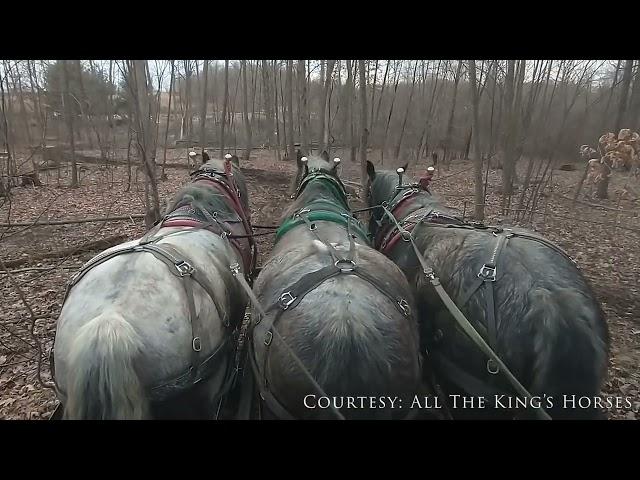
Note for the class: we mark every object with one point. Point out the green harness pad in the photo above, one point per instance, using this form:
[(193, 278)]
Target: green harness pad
[(329, 212)]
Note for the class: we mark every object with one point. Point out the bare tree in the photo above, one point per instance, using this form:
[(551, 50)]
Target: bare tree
[(512, 127), (166, 132), (69, 120), (393, 101), (225, 104), (145, 121), (448, 136), (304, 107), (275, 90), (624, 94), (245, 111), (203, 107), (406, 113), (634, 101), (268, 105), (350, 94), (363, 124), (289, 92), (477, 164), (325, 113)]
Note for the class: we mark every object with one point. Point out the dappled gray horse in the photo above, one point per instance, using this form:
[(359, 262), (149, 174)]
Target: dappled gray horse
[(339, 338), (523, 294), (146, 330)]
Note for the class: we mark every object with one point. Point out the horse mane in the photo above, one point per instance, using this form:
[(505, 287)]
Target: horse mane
[(210, 198), (385, 182)]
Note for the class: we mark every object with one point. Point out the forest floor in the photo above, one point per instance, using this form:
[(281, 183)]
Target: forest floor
[(40, 259)]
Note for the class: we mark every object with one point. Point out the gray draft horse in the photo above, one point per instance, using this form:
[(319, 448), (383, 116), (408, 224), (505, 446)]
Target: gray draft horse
[(147, 327), (339, 338), (521, 293)]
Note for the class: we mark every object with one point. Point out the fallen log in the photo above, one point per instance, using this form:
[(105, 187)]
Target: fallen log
[(72, 221), (101, 244)]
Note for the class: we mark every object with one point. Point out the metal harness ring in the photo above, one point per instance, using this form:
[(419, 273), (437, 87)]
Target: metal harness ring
[(345, 269)]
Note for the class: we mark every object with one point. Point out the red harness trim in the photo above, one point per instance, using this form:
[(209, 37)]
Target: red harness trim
[(249, 257), (388, 237)]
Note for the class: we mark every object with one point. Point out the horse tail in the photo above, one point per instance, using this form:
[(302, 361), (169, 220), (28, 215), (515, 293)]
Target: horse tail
[(103, 383), (570, 350)]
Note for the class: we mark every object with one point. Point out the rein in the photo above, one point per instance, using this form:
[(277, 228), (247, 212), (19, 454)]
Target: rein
[(486, 275), (463, 322)]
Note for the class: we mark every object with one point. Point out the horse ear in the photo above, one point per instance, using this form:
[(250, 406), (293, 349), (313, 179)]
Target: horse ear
[(405, 166), (205, 157), (371, 170), (324, 155)]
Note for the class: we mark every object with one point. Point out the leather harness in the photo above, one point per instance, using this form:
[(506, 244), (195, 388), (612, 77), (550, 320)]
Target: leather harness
[(387, 239), (201, 366), (264, 326)]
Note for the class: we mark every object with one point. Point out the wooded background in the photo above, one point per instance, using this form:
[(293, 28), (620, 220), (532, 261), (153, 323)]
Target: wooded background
[(91, 150), (398, 109)]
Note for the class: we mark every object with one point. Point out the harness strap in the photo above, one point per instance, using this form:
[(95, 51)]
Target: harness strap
[(466, 381), (466, 326), (314, 229), (264, 391), (180, 266)]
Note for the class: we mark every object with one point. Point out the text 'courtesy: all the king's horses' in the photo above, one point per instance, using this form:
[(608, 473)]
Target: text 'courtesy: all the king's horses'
[(147, 327), (504, 313), (338, 321)]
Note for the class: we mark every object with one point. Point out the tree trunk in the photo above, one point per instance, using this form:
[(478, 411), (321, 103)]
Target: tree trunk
[(427, 124), (284, 114), (23, 109), (373, 95), (8, 146), (452, 111), (145, 123), (509, 137), (245, 111), (224, 107), (384, 84), (166, 132), (349, 95), (289, 93), (304, 115), (203, 107), (325, 113), (611, 90), (363, 124), (386, 130), (634, 102), (69, 117), (602, 189), (406, 113), (268, 106), (624, 96), (477, 164), (188, 116), (275, 89), (89, 114)]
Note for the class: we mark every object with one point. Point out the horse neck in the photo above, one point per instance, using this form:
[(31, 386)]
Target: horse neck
[(425, 200), (318, 190)]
